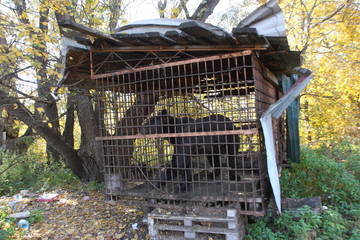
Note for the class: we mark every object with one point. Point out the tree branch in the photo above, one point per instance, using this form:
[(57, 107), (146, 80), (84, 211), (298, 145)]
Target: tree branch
[(330, 16), (13, 163), (161, 8), (204, 10)]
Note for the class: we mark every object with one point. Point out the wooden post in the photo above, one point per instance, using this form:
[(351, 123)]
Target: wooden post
[(292, 121)]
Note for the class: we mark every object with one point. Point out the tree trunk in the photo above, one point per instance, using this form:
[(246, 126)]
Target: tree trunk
[(144, 105), (204, 10), (68, 132), (161, 8), (73, 161), (90, 150)]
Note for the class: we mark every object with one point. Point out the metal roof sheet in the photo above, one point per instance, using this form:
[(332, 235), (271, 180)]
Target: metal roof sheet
[(268, 19)]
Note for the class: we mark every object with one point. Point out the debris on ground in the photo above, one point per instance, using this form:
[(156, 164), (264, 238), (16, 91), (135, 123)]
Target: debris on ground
[(69, 214)]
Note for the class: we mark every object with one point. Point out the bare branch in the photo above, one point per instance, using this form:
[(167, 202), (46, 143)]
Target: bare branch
[(330, 16), (13, 162), (161, 8), (180, 7), (204, 10)]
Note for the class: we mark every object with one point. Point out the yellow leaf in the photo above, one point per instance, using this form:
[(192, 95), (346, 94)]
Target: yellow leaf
[(40, 109), (62, 90), (18, 54), (119, 235), (135, 237)]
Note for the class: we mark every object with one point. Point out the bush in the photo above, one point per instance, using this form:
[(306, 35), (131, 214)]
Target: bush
[(329, 173), (347, 152), (6, 225), (318, 175), (306, 224), (32, 172), (94, 186)]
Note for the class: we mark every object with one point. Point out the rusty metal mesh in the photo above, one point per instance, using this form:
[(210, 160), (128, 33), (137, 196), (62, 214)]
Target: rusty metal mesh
[(214, 103)]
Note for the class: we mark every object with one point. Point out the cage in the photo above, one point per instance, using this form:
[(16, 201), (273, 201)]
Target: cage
[(187, 132), (179, 105)]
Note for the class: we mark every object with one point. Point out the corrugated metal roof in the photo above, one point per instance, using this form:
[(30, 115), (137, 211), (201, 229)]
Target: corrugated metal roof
[(268, 20), (263, 31), (161, 25)]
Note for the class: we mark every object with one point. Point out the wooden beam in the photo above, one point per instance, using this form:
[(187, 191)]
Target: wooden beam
[(164, 65), (183, 39), (137, 39), (206, 33), (88, 31), (173, 48), (159, 39)]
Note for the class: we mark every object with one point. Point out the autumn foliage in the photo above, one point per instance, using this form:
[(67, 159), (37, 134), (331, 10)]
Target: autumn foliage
[(325, 32), (327, 35)]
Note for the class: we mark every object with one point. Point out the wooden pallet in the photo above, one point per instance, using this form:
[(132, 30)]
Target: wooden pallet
[(229, 225)]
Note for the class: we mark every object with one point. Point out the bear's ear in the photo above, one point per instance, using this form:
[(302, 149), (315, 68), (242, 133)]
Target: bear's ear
[(164, 112)]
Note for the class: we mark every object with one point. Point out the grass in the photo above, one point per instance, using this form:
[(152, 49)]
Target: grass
[(330, 172), (333, 174), (32, 173)]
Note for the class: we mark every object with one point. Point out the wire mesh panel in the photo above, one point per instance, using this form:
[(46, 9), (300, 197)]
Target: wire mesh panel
[(187, 132)]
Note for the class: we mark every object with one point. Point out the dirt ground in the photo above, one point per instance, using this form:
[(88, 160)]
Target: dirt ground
[(80, 215)]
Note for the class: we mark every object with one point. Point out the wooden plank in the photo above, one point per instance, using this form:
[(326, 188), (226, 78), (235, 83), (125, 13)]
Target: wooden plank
[(146, 48), (293, 204), (268, 75), (193, 223), (182, 38), (196, 228), (127, 202), (207, 34), (248, 35), (279, 43), (193, 218), (138, 39), (164, 65), (245, 32), (159, 39), (88, 31), (292, 121)]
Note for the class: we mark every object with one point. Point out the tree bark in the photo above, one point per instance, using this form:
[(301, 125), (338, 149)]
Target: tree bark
[(48, 102), (181, 7), (73, 161), (68, 132), (90, 150), (144, 105), (204, 10), (161, 8), (116, 7)]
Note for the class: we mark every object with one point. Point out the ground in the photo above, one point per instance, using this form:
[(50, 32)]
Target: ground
[(80, 215)]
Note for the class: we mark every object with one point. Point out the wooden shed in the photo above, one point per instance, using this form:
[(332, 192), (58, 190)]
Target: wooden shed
[(179, 107)]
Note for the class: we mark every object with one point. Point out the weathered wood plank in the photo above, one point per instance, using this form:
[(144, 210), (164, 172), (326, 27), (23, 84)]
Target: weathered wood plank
[(146, 48), (88, 31), (293, 204), (247, 35), (182, 38), (292, 121), (159, 39), (138, 39), (245, 32), (202, 31)]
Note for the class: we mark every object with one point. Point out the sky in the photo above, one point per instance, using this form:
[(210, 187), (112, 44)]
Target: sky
[(148, 9)]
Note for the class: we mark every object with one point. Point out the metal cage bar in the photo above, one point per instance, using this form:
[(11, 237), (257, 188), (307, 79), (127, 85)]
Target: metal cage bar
[(187, 132)]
